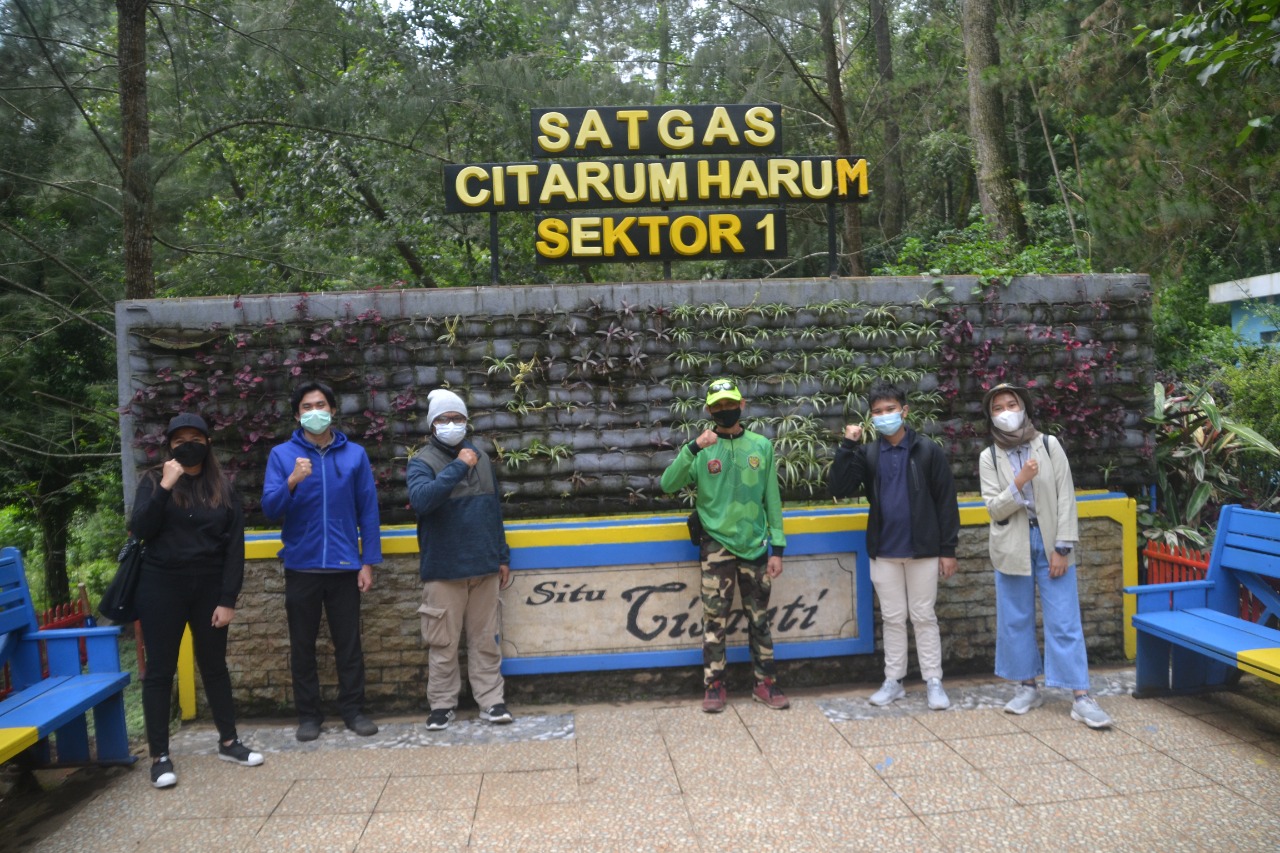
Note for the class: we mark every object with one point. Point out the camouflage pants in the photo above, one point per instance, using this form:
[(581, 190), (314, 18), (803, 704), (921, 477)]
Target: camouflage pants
[(720, 571)]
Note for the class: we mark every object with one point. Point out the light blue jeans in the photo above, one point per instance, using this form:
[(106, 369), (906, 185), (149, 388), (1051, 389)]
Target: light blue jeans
[(1066, 663)]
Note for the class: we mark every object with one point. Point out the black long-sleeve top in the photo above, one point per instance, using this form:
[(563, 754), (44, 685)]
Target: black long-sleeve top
[(192, 540)]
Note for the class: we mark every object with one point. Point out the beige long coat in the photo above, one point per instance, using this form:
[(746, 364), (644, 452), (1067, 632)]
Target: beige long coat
[(1055, 494)]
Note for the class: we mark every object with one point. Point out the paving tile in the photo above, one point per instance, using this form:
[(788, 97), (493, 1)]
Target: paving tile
[(1126, 709), (914, 759), (429, 793), (396, 832), (1209, 818), (553, 826), (871, 799), (883, 731), (1187, 733), (637, 774), (839, 830), (1002, 750), (1104, 823), (1079, 742), (1011, 829), (529, 788), (949, 791), (964, 724), (1150, 771), (1246, 727), (331, 797), (615, 722), (192, 835), (1248, 771), (1191, 705), (1048, 783), (99, 825), (647, 823), (753, 822), (331, 833)]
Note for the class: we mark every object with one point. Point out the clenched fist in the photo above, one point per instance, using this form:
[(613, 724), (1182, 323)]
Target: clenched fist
[(468, 456), (170, 474), (853, 432), (707, 438), (1027, 474), (301, 471)]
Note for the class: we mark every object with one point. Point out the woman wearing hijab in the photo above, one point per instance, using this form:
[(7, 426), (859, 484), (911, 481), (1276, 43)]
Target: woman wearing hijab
[(1029, 492), (192, 526)]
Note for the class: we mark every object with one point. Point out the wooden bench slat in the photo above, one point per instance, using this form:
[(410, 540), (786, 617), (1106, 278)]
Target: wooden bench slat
[(1254, 562), (15, 740), (50, 707), (1263, 662), (1254, 522)]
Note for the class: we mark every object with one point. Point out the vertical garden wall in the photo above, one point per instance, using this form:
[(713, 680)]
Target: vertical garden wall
[(583, 392)]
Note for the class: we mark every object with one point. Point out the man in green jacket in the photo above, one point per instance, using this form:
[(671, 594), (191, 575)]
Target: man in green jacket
[(740, 512)]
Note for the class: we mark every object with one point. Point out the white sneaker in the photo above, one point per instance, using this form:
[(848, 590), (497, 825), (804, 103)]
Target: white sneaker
[(891, 691), (1025, 698), (938, 699), (1085, 709)]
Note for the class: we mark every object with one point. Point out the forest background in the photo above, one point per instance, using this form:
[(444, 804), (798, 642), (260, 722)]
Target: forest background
[(221, 148)]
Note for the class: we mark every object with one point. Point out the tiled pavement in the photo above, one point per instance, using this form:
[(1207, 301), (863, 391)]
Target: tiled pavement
[(830, 774)]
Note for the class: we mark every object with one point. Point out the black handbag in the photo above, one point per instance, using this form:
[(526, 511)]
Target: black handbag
[(117, 600), (695, 528)]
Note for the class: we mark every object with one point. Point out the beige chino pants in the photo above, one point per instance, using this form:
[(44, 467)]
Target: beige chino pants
[(448, 608), (905, 588)]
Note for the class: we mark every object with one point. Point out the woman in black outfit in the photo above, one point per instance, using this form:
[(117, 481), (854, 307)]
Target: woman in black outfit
[(192, 525)]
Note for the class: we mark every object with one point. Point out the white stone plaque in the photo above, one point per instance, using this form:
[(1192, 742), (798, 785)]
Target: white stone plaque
[(657, 607)]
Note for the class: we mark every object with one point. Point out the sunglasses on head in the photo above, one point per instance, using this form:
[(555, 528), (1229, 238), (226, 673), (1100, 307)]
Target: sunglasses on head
[(722, 385)]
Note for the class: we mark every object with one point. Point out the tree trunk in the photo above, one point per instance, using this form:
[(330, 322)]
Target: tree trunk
[(55, 522), (1000, 205), (135, 162), (661, 84), (840, 119), (893, 205)]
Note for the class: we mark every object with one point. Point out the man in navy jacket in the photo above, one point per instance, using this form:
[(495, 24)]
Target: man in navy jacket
[(465, 561), (320, 486)]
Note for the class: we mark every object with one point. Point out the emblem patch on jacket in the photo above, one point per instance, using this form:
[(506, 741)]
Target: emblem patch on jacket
[(753, 461), (713, 466)]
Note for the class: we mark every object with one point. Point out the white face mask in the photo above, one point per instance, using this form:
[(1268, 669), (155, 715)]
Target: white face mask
[(451, 434), (1009, 420)]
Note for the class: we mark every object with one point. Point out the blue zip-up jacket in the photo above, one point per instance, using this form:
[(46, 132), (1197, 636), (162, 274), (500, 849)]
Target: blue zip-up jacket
[(460, 533), (332, 513)]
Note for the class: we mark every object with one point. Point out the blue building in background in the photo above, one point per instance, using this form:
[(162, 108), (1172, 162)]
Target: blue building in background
[(1244, 296)]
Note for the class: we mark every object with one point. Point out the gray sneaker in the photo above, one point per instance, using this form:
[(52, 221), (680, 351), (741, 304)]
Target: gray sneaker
[(1085, 709), (1024, 699), (938, 699), (891, 691)]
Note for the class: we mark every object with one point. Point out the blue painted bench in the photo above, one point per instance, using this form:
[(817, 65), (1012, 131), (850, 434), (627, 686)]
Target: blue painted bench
[(57, 705), (1190, 634)]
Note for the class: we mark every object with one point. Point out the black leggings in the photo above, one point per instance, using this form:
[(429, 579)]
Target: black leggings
[(167, 603)]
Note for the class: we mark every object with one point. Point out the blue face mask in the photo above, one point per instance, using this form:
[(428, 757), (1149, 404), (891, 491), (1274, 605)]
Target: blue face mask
[(315, 422), (887, 424)]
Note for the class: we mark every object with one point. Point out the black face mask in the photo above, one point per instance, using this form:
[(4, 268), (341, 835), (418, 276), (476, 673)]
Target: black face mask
[(191, 453), (727, 418)]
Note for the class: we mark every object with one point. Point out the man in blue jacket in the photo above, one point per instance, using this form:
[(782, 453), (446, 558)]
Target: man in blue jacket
[(320, 486), (465, 561)]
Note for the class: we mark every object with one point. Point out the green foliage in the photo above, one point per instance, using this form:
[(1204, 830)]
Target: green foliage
[(1200, 454), (974, 251)]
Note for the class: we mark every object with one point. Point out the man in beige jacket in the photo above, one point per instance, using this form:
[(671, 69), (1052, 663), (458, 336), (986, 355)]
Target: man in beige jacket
[(1029, 492)]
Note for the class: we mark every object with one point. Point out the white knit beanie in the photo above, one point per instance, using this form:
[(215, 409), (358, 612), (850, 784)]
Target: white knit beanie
[(443, 400)]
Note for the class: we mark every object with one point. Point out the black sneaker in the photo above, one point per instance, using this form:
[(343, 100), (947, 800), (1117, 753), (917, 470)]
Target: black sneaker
[(162, 775), (239, 753), (497, 714), (308, 730), (439, 719), (362, 725)]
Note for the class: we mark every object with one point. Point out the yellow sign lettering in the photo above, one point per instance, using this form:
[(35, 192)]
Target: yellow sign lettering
[(555, 132), (682, 136), (555, 241)]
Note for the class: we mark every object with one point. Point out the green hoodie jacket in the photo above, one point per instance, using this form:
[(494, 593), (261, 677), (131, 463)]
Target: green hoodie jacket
[(737, 485)]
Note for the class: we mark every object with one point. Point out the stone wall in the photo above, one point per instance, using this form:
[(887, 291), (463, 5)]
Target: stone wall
[(395, 657)]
